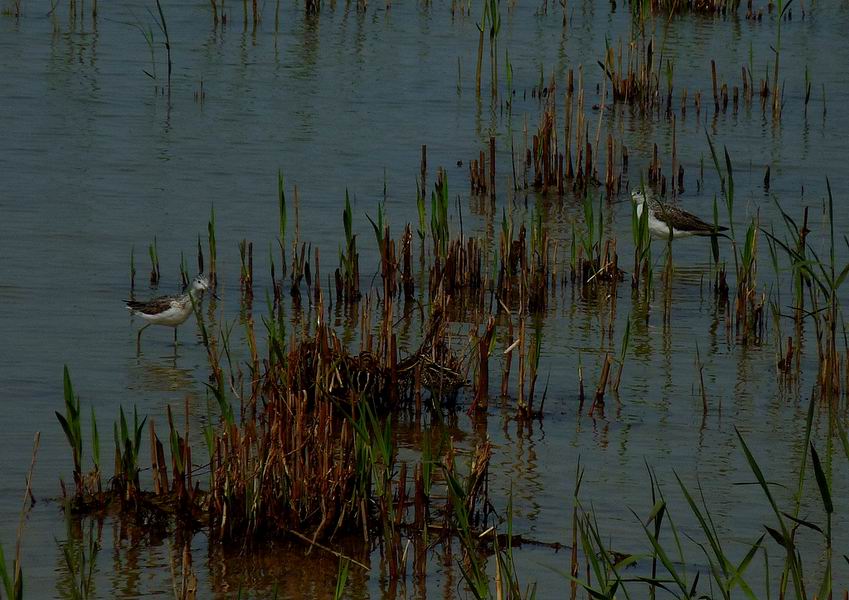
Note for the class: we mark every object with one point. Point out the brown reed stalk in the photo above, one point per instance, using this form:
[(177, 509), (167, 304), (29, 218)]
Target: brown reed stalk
[(713, 79), (492, 167), (423, 181), (598, 399), (523, 401), (164, 27), (568, 125), (481, 26), (674, 155), (159, 469), (601, 110), (508, 360)]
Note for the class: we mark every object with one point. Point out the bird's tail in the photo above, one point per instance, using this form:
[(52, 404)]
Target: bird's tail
[(717, 232)]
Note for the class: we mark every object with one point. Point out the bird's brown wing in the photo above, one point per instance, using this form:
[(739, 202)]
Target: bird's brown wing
[(151, 307), (684, 221)]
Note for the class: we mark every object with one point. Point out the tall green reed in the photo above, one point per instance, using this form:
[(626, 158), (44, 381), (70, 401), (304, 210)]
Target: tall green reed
[(643, 266), (281, 210), (439, 231), (154, 263), (213, 254), (71, 425), (127, 446)]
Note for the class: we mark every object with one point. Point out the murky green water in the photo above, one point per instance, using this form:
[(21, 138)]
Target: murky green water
[(98, 160)]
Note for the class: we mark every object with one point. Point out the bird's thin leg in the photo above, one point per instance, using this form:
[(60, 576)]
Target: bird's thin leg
[(138, 338), (175, 336)]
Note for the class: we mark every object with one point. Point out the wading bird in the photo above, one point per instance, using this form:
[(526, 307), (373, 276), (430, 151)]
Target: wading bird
[(666, 221), (171, 311)]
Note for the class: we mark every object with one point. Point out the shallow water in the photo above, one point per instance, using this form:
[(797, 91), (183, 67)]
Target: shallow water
[(98, 160)]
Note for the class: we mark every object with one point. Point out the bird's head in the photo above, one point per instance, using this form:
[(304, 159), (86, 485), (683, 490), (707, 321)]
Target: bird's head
[(200, 283), (638, 197)]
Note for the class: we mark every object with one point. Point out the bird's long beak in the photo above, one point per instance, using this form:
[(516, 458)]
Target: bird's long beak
[(629, 198)]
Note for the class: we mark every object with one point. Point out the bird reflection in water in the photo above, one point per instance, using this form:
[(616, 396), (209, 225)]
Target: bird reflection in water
[(162, 374)]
